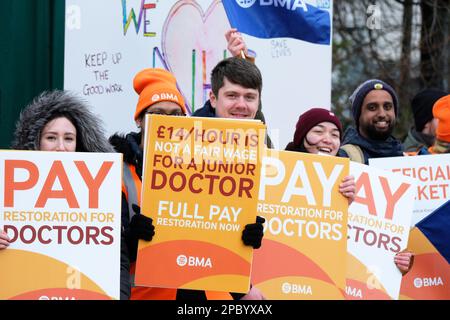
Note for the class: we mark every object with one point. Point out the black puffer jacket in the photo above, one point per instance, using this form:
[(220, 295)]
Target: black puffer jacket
[(128, 145)]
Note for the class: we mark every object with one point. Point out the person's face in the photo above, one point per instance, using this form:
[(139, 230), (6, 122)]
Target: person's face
[(430, 127), (59, 135), (323, 138), (377, 117), (168, 108), (235, 101)]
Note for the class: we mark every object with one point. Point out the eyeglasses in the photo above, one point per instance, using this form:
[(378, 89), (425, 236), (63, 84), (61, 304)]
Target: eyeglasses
[(160, 112)]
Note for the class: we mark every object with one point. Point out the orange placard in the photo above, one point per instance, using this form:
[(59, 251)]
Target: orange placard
[(429, 278), (200, 187), (303, 255)]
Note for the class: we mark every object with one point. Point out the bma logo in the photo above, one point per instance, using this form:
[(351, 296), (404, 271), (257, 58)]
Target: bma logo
[(354, 292), (164, 96), (245, 3), (56, 298), (286, 4), (428, 282), (183, 261), (288, 288)]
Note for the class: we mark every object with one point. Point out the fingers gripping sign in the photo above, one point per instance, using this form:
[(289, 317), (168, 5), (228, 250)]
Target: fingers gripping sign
[(4, 240), (235, 43)]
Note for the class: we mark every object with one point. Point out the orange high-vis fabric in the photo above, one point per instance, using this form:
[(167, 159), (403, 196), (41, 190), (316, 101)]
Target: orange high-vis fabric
[(131, 187), (124, 190)]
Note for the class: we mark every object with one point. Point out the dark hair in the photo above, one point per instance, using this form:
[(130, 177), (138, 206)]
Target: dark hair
[(68, 116), (238, 71), (50, 105), (297, 148)]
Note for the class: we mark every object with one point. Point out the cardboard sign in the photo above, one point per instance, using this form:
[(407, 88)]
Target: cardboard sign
[(303, 255), (61, 211), (433, 175), (379, 220), (200, 187)]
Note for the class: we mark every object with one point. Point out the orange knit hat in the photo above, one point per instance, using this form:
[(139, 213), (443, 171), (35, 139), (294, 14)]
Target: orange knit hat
[(441, 111), (156, 85)]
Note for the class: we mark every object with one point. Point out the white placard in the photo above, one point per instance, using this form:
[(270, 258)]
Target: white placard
[(61, 210)]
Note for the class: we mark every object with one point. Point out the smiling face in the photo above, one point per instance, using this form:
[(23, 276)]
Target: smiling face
[(235, 101), (377, 117), (323, 138), (59, 135)]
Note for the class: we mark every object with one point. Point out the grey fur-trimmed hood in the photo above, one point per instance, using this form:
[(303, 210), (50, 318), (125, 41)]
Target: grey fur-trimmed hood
[(54, 104)]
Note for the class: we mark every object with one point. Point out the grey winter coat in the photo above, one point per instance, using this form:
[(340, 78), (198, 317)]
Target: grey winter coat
[(414, 141), (90, 138)]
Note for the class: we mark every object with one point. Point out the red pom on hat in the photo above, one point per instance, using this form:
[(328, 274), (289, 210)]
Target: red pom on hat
[(156, 85)]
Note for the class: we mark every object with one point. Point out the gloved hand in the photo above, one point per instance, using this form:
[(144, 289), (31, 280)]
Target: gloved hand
[(253, 233), (141, 227)]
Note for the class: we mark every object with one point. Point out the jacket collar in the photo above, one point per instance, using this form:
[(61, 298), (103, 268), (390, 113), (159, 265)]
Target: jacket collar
[(390, 147), (207, 111)]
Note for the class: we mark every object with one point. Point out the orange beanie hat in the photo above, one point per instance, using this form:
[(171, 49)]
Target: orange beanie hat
[(155, 85), (441, 111)]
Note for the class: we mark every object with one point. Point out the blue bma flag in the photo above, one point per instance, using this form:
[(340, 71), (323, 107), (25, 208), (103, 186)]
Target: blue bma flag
[(436, 227), (279, 18)]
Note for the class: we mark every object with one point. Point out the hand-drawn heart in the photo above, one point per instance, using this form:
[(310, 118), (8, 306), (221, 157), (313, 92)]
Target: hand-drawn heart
[(193, 42)]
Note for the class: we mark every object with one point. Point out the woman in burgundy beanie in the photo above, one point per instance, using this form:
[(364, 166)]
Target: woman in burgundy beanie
[(319, 131), (322, 121)]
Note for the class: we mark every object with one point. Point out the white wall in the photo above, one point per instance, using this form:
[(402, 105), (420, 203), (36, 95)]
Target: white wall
[(98, 54)]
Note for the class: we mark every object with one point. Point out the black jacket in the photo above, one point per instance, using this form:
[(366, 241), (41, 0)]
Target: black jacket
[(206, 111), (125, 285), (128, 145)]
